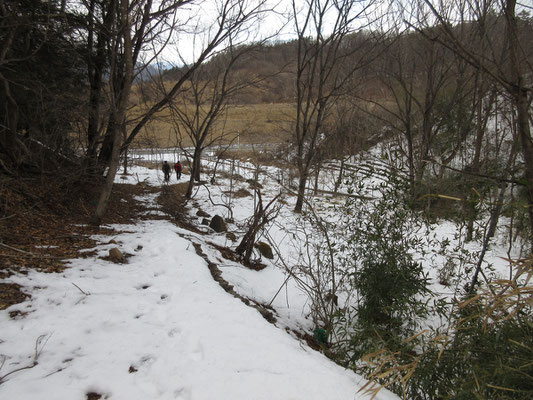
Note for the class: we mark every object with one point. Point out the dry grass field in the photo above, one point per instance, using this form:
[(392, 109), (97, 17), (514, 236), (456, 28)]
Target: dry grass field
[(250, 123)]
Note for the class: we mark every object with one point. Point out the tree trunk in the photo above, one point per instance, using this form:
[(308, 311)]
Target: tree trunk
[(527, 152), (410, 160), (302, 183), (122, 86), (95, 66), (8, 135), (106, 151), (317, 173), (110, 178), (520, 97), (494, 217), (481, 124), (197, 166), (195, 171), (190, 186), (125, 172), (338, 182)]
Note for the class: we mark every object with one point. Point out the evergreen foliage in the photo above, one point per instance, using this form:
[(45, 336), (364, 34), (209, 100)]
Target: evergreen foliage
[(380, 255), (485, 353), (41, 97)]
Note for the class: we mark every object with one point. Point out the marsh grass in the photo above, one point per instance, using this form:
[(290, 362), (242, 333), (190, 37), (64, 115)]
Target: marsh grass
[(246, 124)]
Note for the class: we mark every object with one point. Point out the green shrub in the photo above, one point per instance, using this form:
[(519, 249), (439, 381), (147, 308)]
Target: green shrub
[(486, 353), (390, 284)]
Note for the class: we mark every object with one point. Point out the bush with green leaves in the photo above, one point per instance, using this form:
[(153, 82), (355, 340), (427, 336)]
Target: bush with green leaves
[(486, 351), (379, 251)]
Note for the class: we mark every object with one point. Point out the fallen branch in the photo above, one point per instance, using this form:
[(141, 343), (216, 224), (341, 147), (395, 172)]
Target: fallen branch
[(15, 249), (27, 253), (34, 362), (85, 293), (219, 204)]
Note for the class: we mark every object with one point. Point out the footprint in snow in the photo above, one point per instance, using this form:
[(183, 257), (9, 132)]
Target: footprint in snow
[(143, 286), (164, 299), (174, 332), (184, 393), (198, 352)]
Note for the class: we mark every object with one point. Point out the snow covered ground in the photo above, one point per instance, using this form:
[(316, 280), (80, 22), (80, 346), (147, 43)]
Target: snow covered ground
[(160, 327)]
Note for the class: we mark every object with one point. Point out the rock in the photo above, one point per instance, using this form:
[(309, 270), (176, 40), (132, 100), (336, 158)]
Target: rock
[(205, 221), (202, 213), (116, 256), (265, 250), (253, 184), (231, 236), (218, 224), (241, 193)]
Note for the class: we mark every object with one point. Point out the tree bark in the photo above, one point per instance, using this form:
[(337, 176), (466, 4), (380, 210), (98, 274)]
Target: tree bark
[(317, 173), (302, 183), (95, 64), (520, 96), (118, 116), (338, 181)]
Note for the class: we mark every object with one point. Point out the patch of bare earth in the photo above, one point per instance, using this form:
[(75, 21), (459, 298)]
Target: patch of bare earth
[(45, 220)]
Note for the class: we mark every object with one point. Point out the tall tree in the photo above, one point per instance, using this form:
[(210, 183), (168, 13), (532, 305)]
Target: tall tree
[(199, 114), (235, 21), (152, 24), (147, 22), (508, 63), (40, 79), (423, 93), (122, 64), (324, 67)]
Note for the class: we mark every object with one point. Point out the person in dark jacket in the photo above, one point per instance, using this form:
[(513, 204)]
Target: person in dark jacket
[(166, 171), (178, 168)]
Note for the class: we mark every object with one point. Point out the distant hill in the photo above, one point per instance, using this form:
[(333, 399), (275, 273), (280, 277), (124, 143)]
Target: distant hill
[(262, 112), (273, 62)]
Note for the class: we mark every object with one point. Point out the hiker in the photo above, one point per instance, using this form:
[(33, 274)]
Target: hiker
[(177, 168), (166, 171)]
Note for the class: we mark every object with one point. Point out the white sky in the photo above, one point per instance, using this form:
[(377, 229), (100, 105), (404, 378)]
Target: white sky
[(274, 24)]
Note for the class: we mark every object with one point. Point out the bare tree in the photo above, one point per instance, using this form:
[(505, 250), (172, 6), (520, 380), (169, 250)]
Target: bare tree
[(323, 28), (423, 96), (122, 78), (235, 21), (263, 215), (152, 24), (199, 114), (507, 62), (147, 21)]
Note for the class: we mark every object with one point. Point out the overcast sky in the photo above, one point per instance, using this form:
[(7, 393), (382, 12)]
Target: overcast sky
[(275, 23)]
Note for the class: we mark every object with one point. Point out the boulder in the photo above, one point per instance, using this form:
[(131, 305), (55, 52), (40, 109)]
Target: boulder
[(116, 256), (218, 224), (205, 221), (253, 184), (265, 250), (202, 213)]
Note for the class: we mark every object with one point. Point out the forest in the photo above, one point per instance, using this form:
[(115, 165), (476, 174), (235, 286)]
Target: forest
[(365, 129)]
